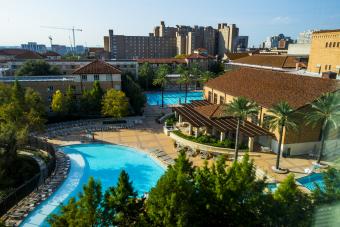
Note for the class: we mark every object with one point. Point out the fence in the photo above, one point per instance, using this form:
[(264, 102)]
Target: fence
[(23, 190)]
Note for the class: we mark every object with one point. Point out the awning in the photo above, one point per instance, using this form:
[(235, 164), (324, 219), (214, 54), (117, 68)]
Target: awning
[(223, 124)]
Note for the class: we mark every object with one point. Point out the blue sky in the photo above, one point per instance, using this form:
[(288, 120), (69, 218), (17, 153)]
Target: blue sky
[(21, 20)]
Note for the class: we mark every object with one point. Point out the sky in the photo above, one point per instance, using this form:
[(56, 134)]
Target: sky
[(22, 21)]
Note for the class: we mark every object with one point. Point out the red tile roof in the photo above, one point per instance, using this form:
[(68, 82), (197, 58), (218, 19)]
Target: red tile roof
[(97, 67), (210, 111), (162, 60), (51, 53), (28, 55), (20, 53), (268, 87), (277, 61), (199, 56), (234, 56)]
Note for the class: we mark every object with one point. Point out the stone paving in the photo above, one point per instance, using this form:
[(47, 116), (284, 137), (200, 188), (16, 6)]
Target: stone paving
[(149, 135)]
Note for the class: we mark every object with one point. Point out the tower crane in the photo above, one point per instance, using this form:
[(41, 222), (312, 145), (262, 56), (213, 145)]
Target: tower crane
[(73, 29)]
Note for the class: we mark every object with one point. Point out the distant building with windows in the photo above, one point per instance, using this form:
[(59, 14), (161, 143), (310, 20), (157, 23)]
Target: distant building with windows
[(277, 42), (325, 52), (33, 46), (166, 42), (80, 80)]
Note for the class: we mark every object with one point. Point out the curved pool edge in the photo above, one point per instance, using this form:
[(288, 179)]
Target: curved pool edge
[(45, 208)]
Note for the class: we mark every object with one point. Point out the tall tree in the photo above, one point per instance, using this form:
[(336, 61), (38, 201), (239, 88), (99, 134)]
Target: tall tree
[(71, 101), (134, 93), (121, 207), (115, 104), (185, 79), (172, 201), (90, 101), (146, 74), (240, 108), (37, 68), (21, 112), (162, 79), (281, 117), (292, 205), (59, 103), (325, 112)]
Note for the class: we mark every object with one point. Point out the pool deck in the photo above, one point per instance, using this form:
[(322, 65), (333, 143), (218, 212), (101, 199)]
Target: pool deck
[(149, 135)]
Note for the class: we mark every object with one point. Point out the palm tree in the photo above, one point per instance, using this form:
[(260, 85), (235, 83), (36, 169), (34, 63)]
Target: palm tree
[(325, 111), (240, 108), (281, 117), (195, 71), (162, 79), (185, 79), (206, 76)]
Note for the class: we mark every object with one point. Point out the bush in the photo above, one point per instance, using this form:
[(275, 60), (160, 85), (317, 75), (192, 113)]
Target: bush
[(171, 120), (211, 141)]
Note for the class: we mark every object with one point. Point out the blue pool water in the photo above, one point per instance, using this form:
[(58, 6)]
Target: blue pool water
[(310, 181), (171, 98), (104, 162)]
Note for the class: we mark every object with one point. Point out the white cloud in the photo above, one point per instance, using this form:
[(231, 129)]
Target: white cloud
[(281, 20)]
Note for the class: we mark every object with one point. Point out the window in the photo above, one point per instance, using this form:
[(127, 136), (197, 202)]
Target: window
[(326, 66), (326, 44), (96, 77), (221, 99), (215, 98), (209, 96), (334, 44), (84, 77), (338, 45), (50, 88), (329, 67)]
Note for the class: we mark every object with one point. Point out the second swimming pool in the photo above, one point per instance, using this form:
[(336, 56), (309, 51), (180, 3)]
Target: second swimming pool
[(172, 97)]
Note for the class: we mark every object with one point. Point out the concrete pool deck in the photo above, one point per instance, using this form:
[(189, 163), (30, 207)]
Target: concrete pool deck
[(149, 135)]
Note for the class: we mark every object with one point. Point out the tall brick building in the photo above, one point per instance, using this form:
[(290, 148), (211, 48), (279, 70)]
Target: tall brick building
[(166, 42)]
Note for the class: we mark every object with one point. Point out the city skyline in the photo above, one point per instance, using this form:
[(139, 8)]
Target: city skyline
[(23, 23)]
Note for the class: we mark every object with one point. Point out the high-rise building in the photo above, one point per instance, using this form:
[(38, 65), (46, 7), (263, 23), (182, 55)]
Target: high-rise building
[(305, 37), (169, 41), (277, 42), (33, 46)]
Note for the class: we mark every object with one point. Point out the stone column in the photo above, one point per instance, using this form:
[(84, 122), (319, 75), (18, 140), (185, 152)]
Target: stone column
[(179, 118), (190, 129), (213, 131), (196, 132), (251, 144), (222, 136)]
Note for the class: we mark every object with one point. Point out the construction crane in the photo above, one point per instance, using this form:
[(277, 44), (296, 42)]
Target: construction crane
[(73, 29)]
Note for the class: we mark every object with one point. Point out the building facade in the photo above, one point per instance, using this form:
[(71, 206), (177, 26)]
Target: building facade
[(266, 88), (33, 46), (325, 52), (166, 42), (80, 80)]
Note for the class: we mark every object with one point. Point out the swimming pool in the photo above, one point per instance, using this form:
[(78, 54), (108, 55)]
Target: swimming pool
[(172, 97), (310, 181), (104, 162)]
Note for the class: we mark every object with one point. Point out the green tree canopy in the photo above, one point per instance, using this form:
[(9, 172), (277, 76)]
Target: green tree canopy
[(134, 93), (115, 104), (281, 116), (37, 68), (91, 100), (161, 78), (59, 104), (21, 112), (240, 108), (325, 112), (146, 75)]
